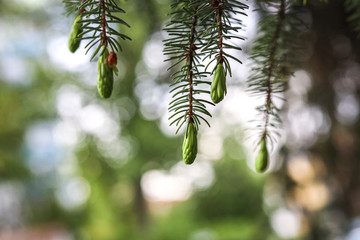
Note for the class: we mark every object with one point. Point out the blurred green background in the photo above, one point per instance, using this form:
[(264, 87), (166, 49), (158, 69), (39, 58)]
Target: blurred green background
[(75, 166)]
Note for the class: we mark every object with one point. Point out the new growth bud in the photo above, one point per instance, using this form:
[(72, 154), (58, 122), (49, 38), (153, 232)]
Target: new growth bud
[(190, 144), (262, 159), (218, 85), (112, 59), (74, 42), (105, 76)]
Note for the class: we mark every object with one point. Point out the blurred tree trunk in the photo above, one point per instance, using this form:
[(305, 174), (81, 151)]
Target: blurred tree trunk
[(334, 65), (329, 65), (140, 206)]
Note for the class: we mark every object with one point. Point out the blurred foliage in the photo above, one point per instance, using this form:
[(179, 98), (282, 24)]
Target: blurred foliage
[(35, 176)]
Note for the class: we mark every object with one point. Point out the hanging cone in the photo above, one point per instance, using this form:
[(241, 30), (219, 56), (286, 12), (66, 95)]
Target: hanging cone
[(105, 76), (218, 85), (262, 159), (190, 144), (74, 42)]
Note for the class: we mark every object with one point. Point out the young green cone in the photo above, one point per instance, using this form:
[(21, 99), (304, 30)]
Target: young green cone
[(262, 159), (218, 85), (190, 144), (105, 76), (74, 43)]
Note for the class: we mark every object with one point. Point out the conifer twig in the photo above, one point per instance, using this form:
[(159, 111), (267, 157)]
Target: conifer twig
[(274, 46)]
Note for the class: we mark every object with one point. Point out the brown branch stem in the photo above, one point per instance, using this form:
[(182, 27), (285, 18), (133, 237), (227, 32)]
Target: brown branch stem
[(217, 4), (273, 48), (219, 12), (83, 9), (103, 20), (191, 53)]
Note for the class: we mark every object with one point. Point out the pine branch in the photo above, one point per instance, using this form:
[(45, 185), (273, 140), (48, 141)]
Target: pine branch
[(271, 62), (352, 8), (199, 30), (182, 46), (276, 53), (97, 16), (94, 23), (224, 27), (263, 79)]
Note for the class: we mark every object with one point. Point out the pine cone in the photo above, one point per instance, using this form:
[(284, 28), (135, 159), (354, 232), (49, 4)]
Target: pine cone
[(74, 43), (261, 162), (190, 144), (105, 78), (218, 85)]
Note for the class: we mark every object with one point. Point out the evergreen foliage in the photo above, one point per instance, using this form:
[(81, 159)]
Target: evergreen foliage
[(200, 30), (97, 18), (183, 47), (276, 55), (222, 36), (352, 7), (203, 35), (96, 22)]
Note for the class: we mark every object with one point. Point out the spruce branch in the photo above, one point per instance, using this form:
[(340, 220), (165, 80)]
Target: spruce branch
[(276, 54), (352, 8), (224, 27), (97, 17), (182, 46), (271, 62), (93, 23)]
